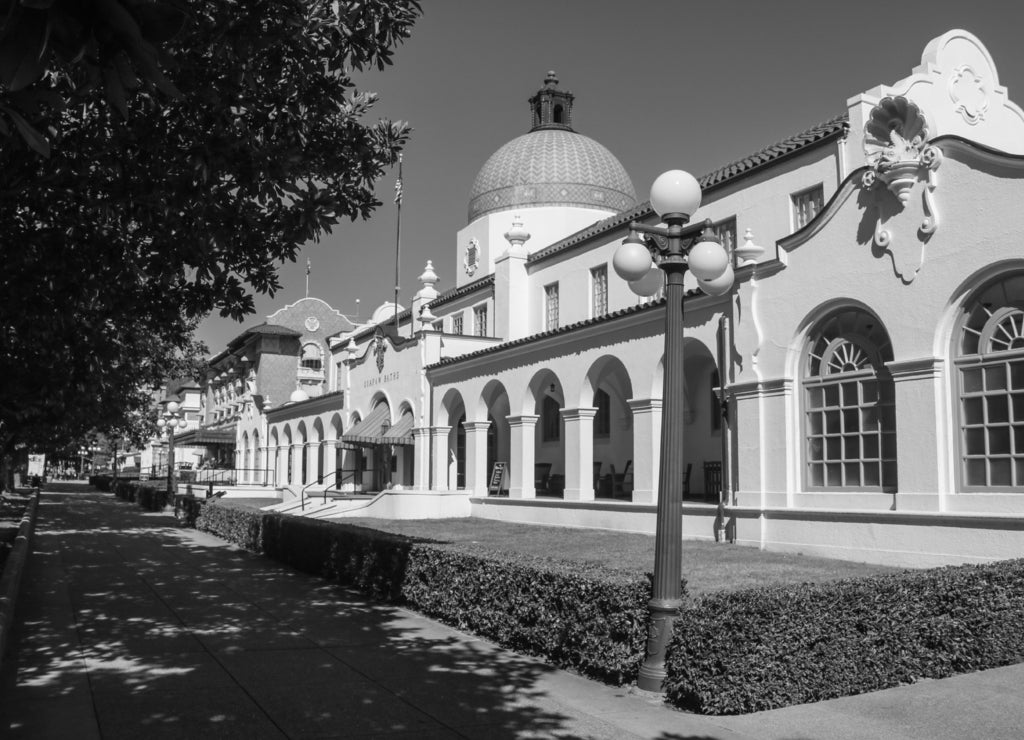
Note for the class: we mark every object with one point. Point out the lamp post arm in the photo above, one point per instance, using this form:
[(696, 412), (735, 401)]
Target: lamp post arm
[(686, 232)]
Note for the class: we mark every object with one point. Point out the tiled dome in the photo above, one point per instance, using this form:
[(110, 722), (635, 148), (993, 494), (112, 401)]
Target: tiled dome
[(551, 167)]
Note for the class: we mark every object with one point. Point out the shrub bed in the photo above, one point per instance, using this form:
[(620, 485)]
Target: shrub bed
[(576, 615), (764, 648), (149, 497)]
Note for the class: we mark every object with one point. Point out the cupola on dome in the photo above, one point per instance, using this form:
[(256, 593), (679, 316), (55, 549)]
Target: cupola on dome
[(552, 165)]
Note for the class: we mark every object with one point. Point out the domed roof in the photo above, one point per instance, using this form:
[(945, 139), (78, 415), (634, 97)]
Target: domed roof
[(551, 165)]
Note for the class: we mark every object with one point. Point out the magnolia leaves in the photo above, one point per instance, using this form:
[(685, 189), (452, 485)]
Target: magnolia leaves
[(69, 48)]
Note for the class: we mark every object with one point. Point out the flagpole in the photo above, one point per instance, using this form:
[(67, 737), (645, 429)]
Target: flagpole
[(398, 235)]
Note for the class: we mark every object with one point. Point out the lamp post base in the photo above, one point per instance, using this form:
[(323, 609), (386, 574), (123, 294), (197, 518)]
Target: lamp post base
[(659, 632)]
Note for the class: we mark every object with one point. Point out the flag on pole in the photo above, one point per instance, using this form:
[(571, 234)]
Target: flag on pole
[(398, 182), (309, 265)]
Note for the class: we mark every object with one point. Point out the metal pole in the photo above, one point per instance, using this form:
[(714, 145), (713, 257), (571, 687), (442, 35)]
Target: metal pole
[(398, 236), (666, 596), (170, 461), (725, 383)]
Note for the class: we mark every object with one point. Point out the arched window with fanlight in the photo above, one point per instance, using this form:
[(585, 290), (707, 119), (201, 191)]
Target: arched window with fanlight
[(849, 412), (989, 360), (312, 359)]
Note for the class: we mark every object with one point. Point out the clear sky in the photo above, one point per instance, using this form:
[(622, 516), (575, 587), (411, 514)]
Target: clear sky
[(662, 84)]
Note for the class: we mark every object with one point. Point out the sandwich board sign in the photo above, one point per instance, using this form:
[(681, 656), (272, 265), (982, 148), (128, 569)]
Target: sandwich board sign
[(497, 485)]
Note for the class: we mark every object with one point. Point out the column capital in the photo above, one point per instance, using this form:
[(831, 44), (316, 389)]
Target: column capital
[(583, 412), (523, 420), (644, 405), (476, 426), (421, 431), (440, 429)]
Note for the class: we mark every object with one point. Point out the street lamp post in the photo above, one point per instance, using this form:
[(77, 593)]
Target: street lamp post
[(679, 246), (171, 418)]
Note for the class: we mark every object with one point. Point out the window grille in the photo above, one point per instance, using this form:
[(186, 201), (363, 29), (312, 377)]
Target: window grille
[(806, 205), (990, 376), (551, 306), (849, 406), (599, 290)]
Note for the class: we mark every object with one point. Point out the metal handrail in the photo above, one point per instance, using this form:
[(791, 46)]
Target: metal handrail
[(319, 481)]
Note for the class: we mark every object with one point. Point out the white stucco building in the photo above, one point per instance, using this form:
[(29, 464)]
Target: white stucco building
[(873, 360)]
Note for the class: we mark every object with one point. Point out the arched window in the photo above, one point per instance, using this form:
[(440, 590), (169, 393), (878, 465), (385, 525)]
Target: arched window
[(558, 114), (850, 423), (312, 358), (989, 359)]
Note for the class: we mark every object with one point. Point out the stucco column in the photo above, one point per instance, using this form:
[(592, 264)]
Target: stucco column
[(921, 449), (476, 457), (296, 451), (579, 453), (521, 450), (440, 459), (311, 452), (646, 448), (421, 456)]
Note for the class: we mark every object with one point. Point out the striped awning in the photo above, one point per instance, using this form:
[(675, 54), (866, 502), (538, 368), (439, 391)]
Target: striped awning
[(400, 432), (200, 437), (370, 431)]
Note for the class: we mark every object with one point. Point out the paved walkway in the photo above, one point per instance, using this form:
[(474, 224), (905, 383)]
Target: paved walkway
[(130, 627)]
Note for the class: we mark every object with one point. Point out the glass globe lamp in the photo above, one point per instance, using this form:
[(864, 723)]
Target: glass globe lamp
[(719, 285), (632, 259), (649, 284), (675, 192), (707, 259)]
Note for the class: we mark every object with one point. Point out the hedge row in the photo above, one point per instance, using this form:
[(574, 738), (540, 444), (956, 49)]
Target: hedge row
[(576, 615), (151, 498), (101, 482), (764, 648)]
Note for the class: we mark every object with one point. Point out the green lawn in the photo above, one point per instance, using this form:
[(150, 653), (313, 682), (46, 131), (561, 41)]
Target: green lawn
[(706, 566)]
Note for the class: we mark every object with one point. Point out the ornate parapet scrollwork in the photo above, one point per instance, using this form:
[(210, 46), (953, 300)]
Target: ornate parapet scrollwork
[(898, 154)]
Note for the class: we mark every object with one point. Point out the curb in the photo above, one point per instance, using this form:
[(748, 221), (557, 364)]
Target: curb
[(14, 568)]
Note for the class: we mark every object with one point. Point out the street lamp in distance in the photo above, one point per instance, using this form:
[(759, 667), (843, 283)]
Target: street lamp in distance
[(170, 419), (678, 247)]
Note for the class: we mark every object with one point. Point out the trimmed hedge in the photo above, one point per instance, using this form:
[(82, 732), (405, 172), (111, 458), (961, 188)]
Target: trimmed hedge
[(151, 498), (764, 648), (576, 615)]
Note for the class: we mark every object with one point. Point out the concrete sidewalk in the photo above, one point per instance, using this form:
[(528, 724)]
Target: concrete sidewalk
[(131, 627)]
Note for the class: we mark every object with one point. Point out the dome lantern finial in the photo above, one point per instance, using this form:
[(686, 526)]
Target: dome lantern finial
[(551, 107)]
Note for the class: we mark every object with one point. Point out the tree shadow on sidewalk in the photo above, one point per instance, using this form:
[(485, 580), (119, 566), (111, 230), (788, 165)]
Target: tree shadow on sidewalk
[(171, 633)]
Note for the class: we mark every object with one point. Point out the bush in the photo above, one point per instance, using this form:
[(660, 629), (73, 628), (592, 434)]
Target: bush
[(242, 526), (101, 482), (765, 648), (189, 509), (576, 615), (149, 497)]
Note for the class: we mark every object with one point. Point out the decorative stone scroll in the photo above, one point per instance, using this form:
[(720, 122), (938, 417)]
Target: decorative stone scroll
[(898, 154)]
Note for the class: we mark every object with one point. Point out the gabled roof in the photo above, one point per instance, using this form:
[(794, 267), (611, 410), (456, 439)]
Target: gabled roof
[(813, 136)]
